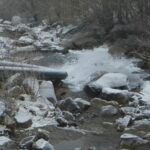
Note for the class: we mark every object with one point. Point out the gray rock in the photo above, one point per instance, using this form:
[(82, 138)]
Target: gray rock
[(122, 123), (41, 144), (76, 105), (9, 121), (14, 80), (131, 141), (147, 136), (143, 125), (4, 131), (16, 20), (23, 118), (68, 116), (25, 97), (101, 102), (2, 109), (129, 110), (62, 122), (24, 49), (22, 28), (7, 144), (15, 91), (6, 22), (46, 90), (83, 104), (109, 110), (27, 142), (26, 40), (32, 86), (69, 104), (42, 134)]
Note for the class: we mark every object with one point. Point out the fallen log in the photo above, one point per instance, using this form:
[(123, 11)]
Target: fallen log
[(29, 70)]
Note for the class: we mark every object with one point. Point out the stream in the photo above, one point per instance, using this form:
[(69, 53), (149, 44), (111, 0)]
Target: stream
[(82, 67)]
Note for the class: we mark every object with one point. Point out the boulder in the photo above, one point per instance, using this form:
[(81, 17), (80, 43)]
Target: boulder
[(27, 142), (15, 91), (16, 20), (4, 131), (2, 109), (109, 111), (24, 49), (76, 105), (7, 144), (15, 79), (46, 90), (129, 110), (31, 85), (23, 118), (110, 86), (62, 122), (26, 40), (25, 97), (143, 125), (42, 134), (123, 123), (110, 80), (68, 116), (41, 144), (101, 102), (132, 141), (83, 104)]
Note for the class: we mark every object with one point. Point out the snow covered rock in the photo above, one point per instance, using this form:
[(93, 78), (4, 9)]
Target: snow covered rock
[(110, 87), (129, 111), (15, 79), (75, 105), (23, 118), (109, 111), (68, 115), (25, 97), (145, 92), (111, 80), (26, 40), (83, 104), (7, 144), (2, 109), (29, 48), (6, 22), (3, 130), (41, 144), (46, 90), (131, 141), (62, 122), (143, 125), (16, 20), (121, 96), (101, 102), (15, 91), (122, 123), (27, 142), (31, 85), (42, 134), (69, 104)]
